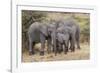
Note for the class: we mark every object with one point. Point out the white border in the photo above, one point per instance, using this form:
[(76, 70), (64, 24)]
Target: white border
[(17, 66)]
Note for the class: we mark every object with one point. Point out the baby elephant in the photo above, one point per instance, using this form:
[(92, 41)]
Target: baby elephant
[(63, 37)]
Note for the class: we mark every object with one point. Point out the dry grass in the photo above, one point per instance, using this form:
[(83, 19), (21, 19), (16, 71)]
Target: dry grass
[(82, 54)]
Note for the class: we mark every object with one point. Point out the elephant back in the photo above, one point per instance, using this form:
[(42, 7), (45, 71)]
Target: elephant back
[(33, 32), (70, 22), (33, 27)]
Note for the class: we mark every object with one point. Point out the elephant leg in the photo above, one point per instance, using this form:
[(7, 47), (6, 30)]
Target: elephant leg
[(55, 47), (42, 48), (54, 44), (77, 41), (30, 48), (72, 43), (52, 47), (78, 44), (42, 40), (69, 44), (59, 47), (49, 45), (66, 46), (31, 44), (66, 49), (73, 46)]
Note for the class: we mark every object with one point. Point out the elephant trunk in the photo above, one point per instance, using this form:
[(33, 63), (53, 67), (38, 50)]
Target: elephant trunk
[(54, 41)]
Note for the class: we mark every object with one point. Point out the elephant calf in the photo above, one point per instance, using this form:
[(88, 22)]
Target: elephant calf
[(64, 35), (62, 39)]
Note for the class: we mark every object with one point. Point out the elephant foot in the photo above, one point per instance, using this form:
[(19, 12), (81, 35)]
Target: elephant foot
[(31, 53), (66, 51), (42, 53), (72, 50)]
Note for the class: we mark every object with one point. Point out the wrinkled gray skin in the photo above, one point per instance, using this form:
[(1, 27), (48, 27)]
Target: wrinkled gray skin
[(38, 32), (52, 31), (75, 35), (63, 33), (63, 36)]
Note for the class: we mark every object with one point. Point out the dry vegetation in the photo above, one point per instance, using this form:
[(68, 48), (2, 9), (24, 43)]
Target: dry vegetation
[(82, 54)]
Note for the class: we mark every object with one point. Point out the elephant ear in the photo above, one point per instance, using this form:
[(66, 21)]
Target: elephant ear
[(43, 30)]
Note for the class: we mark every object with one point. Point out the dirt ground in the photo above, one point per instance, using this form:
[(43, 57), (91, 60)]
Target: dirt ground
[(82, 54)]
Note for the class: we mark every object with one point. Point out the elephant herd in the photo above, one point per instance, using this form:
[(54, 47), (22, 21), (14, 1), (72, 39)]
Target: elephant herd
[(61, 36)]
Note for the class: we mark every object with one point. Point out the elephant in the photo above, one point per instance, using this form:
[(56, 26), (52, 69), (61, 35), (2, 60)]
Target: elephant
[(74, 28), (62, 39), (57, 34), (64, 35), (52, 31), (38, 32)]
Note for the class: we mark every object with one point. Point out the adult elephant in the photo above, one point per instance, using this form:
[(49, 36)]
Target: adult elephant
[(38, 32)]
